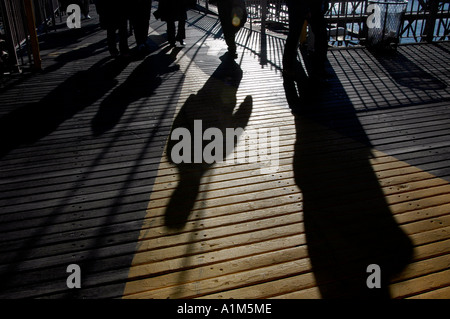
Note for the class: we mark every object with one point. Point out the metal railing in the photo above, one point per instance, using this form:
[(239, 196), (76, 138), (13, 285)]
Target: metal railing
[(424, 20), (14, 28)]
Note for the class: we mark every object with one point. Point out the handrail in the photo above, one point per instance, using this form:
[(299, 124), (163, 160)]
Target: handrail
[(424, 20)]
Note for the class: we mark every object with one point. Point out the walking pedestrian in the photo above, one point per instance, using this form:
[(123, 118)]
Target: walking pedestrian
[(84, 5), (114, 17), (171, 11), (140, 21), (312, 11), (232, 16)]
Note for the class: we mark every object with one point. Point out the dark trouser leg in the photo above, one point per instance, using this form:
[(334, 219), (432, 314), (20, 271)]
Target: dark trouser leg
[(85, 7), (230, 39), (141, 26), (227, 26), (111, 39), (319, 28), (181, 34), (171, 31), (123, 36), (296, 21)]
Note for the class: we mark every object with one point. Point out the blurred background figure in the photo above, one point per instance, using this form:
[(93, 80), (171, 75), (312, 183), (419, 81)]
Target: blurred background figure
[(84, 5), (171, 11), (114, 16), (140, 21)]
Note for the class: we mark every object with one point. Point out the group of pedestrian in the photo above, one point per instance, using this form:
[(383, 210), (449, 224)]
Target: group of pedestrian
[(114, 16)]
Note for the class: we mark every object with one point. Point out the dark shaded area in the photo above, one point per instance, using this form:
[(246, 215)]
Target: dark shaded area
[(79, 54), (348, 223), (30, 123), (66, 37), (407, 73), (214, 105), (104, 257)]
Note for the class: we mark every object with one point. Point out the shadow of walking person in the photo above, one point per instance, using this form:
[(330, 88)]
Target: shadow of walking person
[(141, 83), (203, 122), (348, 223), (31, 122)]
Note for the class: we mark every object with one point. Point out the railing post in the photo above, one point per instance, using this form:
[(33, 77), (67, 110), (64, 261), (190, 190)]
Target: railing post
[(263, 13), (431, 20), (31, 22), (7, 23)]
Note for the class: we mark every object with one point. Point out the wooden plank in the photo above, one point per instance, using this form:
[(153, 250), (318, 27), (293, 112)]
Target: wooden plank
[(245, 236), (421, 284), (441, 293)]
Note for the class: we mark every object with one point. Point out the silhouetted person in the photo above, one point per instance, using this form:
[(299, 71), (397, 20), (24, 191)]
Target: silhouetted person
[(63, 4), (312, 11), (114, 16), (171, 11), (232, 15), (84, 5), (140, 20)]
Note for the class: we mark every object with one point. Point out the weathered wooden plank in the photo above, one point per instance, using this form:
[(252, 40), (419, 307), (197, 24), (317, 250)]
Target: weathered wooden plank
[(87, 202)]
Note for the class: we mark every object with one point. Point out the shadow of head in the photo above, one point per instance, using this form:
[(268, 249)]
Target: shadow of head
[(200, 136)]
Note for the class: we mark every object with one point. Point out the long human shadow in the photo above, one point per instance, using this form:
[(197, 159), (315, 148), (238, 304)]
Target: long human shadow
[(213, 107), (77, 54), (141, 83), (91, 267), (28, 124), (347, 221)]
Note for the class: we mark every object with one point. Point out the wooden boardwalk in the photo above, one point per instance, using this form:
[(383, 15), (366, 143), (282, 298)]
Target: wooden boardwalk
[(87, 177)]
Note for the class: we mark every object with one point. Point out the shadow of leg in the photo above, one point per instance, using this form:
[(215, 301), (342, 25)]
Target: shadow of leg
[(348, 223), (184, 197)]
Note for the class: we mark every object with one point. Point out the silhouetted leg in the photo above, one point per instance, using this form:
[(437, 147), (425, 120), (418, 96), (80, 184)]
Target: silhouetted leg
[(319, 27), (123, 37), (181, 34), (141, 24), (227, 27), (111, 40), (297, 18), (171, 32)]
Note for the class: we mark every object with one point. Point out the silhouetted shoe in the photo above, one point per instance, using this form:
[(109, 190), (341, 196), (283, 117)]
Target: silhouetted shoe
[(233, 54), (143, 48), (172, 44), (182, 42), (125, 55), (228, 56), (114, 53)]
